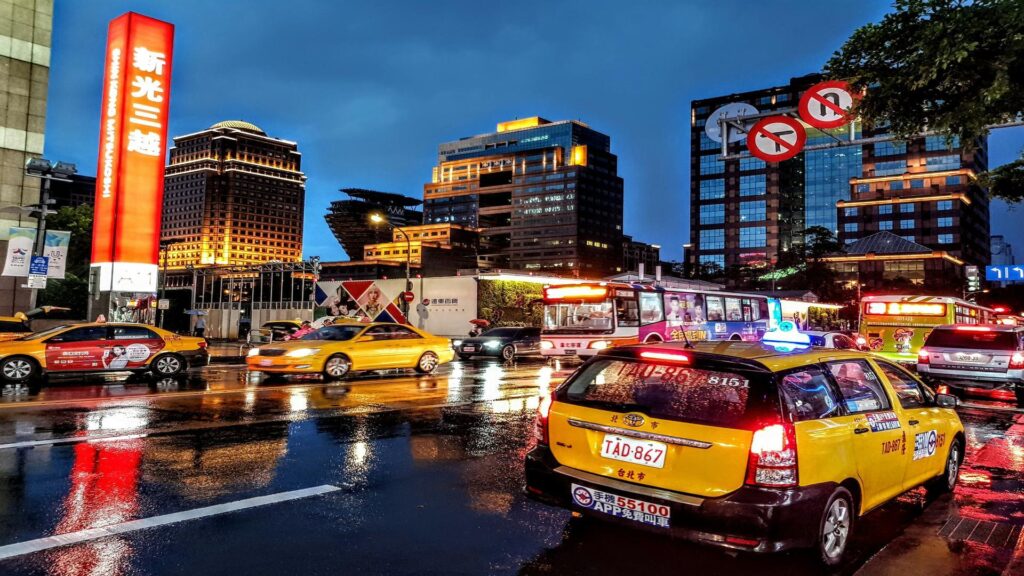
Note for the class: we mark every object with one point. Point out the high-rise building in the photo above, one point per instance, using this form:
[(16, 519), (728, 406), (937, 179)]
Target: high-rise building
[(233, 195), (75, 191), (349, 219), (747, 211), (545, 196), (25, 39)]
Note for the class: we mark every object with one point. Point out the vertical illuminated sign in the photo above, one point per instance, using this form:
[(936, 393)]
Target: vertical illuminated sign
[(133, 143)]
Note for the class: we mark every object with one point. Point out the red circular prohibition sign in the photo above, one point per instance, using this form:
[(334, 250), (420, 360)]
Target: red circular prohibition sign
[(776, 138), (827, 104)]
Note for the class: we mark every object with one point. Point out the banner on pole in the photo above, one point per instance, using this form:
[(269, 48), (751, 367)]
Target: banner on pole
[(19, 251), (56, 249)]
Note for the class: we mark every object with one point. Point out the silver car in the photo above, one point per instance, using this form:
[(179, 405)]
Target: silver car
[(985, 356)]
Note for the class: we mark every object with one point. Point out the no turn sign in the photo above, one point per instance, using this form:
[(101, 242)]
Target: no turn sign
[(776, 138), (827, 104)]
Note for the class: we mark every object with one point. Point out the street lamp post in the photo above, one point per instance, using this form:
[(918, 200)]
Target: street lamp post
[(46, 171), (165, 246), (377, 218)]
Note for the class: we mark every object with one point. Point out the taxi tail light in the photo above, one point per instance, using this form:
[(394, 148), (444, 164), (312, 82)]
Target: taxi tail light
[(1017, 361), (541, 428), (203, 344), (922, 356), (666, 356), (772, 461)]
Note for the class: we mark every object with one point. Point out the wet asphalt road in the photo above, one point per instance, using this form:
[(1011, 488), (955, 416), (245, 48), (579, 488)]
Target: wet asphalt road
[(419, 474)]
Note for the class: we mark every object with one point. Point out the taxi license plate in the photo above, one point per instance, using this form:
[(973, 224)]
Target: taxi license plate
[(266, 362), (622, 507), (642, 452), (469, 348)]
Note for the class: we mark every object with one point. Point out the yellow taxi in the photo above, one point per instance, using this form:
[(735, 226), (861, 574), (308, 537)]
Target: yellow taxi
[(99, 347), (341, 348), (14, 327), (744, 445)]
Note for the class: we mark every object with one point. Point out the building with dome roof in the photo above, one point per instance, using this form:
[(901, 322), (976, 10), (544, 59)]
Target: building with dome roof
[(233, 196)]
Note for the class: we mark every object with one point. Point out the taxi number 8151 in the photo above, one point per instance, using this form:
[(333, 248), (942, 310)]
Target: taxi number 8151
[(643, 452)]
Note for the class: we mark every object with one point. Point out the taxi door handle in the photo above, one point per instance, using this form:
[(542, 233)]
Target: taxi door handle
[(913, 422), (861, 430)]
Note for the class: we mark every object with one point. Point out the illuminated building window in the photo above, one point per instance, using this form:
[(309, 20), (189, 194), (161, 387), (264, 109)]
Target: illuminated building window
[(885, 225), (712, 214), (890, 148), (710, 164), (945, 238), (937, 142), (917, 183), (712, 189), (944, 205), (885, 209), (850, 211), (754, 185), (747, 164), (909, 238), (753, 211), (707, 143), (942, 163), (851, 227), (945, 222), (890, 168), (713, 239), (716, 259), (904, 224), (753, 237), (953, 180)]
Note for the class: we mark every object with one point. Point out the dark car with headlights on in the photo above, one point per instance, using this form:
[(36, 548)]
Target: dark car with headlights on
[(505, 343)]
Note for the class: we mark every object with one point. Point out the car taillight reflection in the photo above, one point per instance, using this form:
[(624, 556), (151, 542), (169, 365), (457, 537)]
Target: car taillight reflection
[(922, 356), (1017, 361), (772, 459)]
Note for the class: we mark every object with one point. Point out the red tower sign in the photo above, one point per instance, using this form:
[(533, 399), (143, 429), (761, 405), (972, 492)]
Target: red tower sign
[(133, 144)]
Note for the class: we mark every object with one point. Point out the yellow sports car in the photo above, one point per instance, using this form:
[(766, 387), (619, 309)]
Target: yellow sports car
[(99, 347), (336, 350)]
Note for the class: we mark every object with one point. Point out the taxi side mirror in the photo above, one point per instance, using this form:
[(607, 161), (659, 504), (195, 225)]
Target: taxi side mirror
[(946, 401)]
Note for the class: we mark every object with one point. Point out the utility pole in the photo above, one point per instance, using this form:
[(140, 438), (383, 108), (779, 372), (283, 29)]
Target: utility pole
[(46, 171)]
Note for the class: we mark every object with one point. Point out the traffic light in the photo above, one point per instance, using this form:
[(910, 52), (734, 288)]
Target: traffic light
[(973, 278)]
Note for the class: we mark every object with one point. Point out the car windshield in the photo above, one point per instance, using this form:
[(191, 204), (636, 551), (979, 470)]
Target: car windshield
[(501, 332), (715, 397), (334, 333), (972, 340), (43, 334)]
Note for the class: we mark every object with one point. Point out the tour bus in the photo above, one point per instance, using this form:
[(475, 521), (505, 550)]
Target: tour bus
[(583, 319), (896, 326)]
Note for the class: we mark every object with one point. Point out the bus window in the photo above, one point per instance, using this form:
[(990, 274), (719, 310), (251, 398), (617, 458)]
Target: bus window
[(747, 311), (626, 313), (715, 311), (650, 308), (733, 311), (761, 310)]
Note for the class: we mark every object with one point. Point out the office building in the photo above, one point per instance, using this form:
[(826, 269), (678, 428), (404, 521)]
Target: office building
[(233, 196), (546, 196), (746, 211), (78, 190), (635, 253), (25, 40), (349, 219)]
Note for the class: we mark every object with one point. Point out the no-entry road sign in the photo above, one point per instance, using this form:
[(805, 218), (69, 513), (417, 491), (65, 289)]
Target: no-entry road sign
[(776, 138), (827, 104)]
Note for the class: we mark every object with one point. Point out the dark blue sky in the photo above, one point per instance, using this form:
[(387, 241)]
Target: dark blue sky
[(368, 89)]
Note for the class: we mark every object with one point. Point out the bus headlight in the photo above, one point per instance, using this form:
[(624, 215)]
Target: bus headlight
[(546, 344), (599, 344)]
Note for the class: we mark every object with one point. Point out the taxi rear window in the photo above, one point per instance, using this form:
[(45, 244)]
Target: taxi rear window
[(676, 392)]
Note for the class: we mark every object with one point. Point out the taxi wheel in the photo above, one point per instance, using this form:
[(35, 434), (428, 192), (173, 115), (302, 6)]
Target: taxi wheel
[(427, 363), (18, 369), (168, 365), (836, 527), (508, 353), (947, 481), (337, 367)]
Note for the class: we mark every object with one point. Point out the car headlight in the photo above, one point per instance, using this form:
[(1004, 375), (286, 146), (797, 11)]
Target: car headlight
[(301, 352), (253, 352), (492, 343), (456, 342)]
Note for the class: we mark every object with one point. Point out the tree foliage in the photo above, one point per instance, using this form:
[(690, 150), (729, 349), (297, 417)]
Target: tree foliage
[(950, 66)]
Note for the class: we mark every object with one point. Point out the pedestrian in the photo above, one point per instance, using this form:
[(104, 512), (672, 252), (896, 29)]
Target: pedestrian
[(200, 327)]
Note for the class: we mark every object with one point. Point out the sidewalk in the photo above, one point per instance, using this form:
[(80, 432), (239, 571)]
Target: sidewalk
[(226, 351)]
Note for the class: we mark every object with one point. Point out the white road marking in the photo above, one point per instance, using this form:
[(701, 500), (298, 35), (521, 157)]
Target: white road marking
[(72, 440), (70, 538)]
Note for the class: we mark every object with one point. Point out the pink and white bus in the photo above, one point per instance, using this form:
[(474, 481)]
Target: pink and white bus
[(583, 319)]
